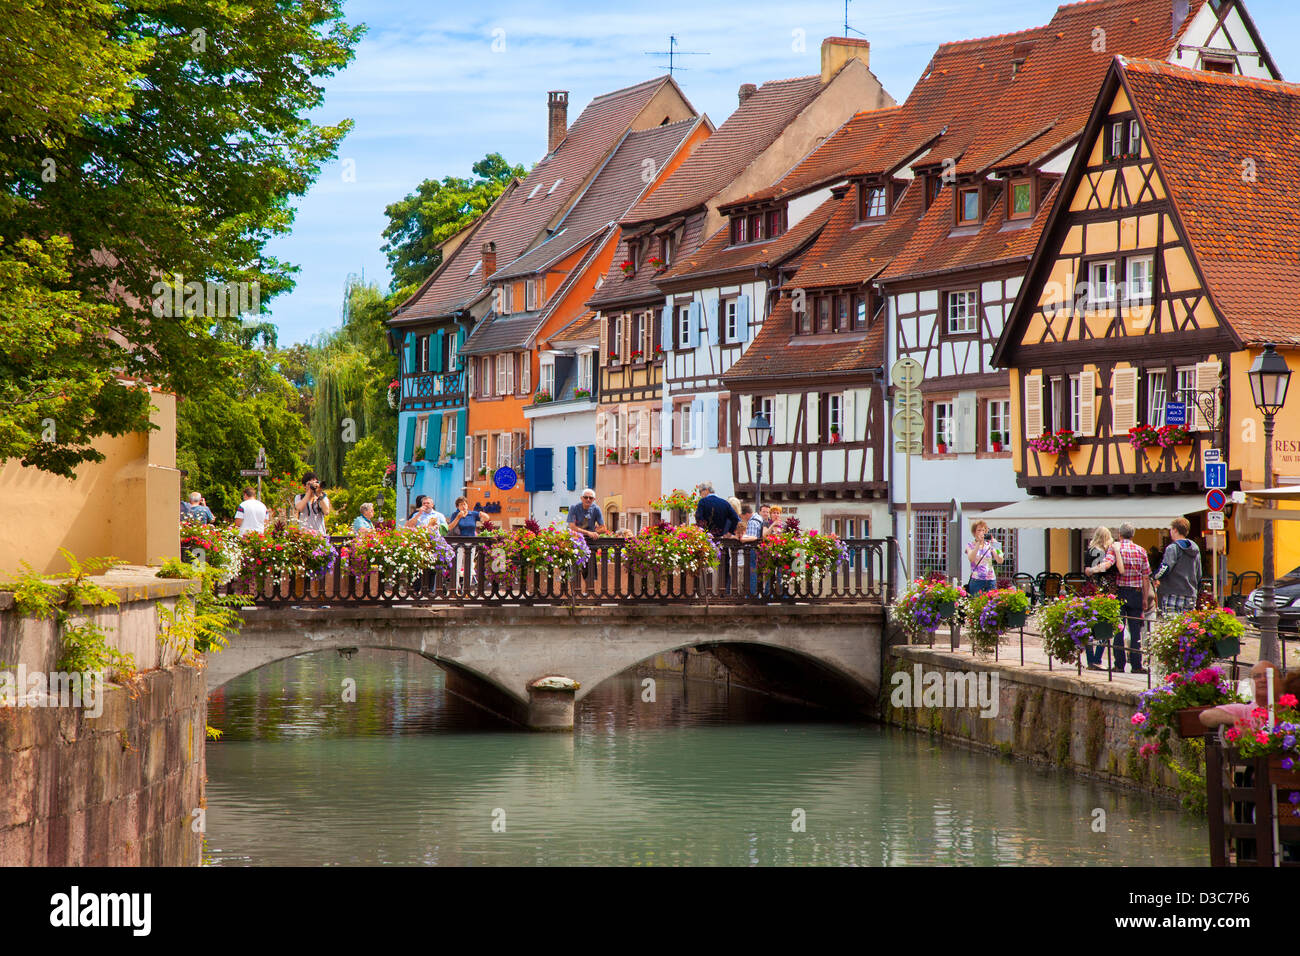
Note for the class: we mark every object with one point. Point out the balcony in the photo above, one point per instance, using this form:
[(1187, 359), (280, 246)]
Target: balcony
[(432, 389)]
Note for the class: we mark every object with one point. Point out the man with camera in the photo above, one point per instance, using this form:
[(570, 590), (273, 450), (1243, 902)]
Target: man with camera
[(312, 505)]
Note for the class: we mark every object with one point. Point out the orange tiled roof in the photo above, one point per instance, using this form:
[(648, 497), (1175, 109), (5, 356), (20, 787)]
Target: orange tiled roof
[(1245, 234), (717, 161), (516, 220), (848, 252), (777, 352)]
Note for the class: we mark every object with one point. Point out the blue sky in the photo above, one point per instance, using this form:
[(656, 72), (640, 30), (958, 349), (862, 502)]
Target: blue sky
[(435, 86)]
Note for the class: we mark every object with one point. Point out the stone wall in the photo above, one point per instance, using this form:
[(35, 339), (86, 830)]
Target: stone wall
[(116, 790), (1041, 717)]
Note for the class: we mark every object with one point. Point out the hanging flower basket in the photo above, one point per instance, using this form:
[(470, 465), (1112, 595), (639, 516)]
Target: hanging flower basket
[(394, 391), (990, 614), (1175, 707)]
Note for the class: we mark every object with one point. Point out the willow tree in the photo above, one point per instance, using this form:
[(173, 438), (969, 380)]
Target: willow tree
[(338, 416)]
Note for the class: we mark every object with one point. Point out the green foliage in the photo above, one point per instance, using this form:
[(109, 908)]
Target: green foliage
[(1066, 624), (436, 211), (163, 140), (84, 644), (203, 621), (363, 474), (174, 568)]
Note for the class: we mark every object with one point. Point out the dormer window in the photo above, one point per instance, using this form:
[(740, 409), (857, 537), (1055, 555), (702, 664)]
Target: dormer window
[(1134, 137), (1020, 198), (739, 230), (1123, 139), (932, 185), (874, 202), (1218, 64), (775, 223), (532, 294), (968, 206)]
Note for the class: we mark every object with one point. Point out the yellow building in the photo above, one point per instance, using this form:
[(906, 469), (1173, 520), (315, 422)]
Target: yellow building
[(1171, 257), (126, 506)]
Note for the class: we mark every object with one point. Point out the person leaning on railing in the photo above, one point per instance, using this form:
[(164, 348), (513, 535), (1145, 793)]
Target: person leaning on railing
[(586, 519), (1133, 587)]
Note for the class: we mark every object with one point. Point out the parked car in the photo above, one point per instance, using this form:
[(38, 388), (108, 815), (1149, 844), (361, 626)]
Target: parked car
[(1286, 598)]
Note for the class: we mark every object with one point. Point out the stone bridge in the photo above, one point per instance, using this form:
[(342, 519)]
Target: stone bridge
[(825, 653)]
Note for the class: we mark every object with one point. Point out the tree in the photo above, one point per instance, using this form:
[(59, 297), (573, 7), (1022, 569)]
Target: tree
[(435, 212), (165, 139)]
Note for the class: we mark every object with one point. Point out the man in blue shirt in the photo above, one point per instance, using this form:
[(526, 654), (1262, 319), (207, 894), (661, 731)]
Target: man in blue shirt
[(199, 511), (364, 521), (714, 513), (587, 520)]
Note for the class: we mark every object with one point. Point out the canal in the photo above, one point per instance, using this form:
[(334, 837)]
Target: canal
[(704, 774)]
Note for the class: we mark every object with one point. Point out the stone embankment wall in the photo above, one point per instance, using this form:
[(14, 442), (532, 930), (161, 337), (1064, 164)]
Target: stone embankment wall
[(117, 789), (1041, 717)]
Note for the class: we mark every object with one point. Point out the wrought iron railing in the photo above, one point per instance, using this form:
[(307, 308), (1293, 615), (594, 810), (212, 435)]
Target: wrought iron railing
[(607, 579)]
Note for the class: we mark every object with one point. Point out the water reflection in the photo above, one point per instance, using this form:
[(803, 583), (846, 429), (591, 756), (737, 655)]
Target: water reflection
[(411, 774)]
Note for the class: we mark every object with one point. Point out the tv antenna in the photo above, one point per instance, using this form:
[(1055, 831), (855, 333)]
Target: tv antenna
[(847, 28), (674, 52)]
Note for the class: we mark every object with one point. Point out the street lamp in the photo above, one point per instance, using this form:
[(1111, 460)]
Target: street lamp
[(1269, 378), (760, 429), (409, 472)]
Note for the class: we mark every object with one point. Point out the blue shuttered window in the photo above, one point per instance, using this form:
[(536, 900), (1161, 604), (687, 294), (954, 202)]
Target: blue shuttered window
[(410, 440), (462, 420), (571, 469), (742, 319), (538, 463), (591, 463)]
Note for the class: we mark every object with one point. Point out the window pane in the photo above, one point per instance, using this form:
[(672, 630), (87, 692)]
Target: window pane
[(931, 543), (823, 313), (859, 312), (1022, 195), (970, 205)]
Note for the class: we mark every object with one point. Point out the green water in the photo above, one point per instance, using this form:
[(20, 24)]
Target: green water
[(410, 774)]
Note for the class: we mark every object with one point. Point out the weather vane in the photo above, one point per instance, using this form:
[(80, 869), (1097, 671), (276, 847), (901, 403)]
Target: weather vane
[(674, 52)]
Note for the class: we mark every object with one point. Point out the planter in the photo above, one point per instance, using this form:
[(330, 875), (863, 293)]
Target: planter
[(943, 449), (997, 447), (1189, 722), (1016, 618), (1103, 631), (1228, 647), (946, 610), (1290, 779)]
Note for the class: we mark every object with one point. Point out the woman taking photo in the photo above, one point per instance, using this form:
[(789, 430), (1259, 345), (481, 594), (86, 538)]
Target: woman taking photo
[(982, 553)]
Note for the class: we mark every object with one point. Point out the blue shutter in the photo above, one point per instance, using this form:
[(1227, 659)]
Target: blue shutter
[(410, 439), (666, 329), (436, 351), (711, 421), (538, 463), (411, 339), (591, 462), (571, 469), (433, 451), (742, 319), (693, 321), (462, 421)]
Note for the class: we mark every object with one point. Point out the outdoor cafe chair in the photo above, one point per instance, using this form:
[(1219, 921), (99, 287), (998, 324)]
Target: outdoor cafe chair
[(1049, 586), (1026, 583)]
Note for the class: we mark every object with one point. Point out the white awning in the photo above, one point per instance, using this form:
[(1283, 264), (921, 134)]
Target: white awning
[(1281, 493), (1141, 511)]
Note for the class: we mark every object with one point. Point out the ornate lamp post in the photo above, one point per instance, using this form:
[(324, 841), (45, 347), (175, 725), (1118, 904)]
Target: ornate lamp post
[(760, 429), (1269, 378), (409, 472)]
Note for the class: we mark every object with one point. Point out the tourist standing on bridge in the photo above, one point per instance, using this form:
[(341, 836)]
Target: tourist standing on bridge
[(1179, 574), (197, 510), (982, 553), (312, 505), (427, 515), (586, 519), (365, 521), (250, 516), (714, 513), (1132, 585)]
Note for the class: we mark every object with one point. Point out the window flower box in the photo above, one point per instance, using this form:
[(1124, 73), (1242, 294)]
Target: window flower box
[(941, 447), (636, 454), (482, 472), (656, 454), (394, 392), (419, 453), (1143, 436), (542, 397), (582, 393), (1171, 435), (657, 264), (1060, 442), (637, 355), (835, 434), (611, 456), (628, 267)]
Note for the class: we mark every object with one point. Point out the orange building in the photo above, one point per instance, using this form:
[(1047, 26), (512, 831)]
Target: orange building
[(536, 295)]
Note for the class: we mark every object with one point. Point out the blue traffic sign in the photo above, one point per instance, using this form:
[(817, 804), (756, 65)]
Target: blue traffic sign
[(1216, 475), (1175, 413), (505, 478), (1215, 499)]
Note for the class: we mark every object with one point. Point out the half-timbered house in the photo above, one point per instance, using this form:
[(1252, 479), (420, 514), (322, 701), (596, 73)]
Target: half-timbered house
[(1006, 141), (1170, 259), (649, 438), (430, 329)]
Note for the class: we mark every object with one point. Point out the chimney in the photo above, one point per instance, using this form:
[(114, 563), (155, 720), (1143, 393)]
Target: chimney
[(836, 51), (489, 257), (1181, 8), (557, 107), (746, 91)]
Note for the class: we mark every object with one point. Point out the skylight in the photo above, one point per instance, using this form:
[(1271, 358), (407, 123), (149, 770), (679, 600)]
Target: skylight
[(536, 190), (554, 184)]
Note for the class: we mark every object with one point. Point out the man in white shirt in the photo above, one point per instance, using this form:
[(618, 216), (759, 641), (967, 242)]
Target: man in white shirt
[(427, 515), (250, 516)]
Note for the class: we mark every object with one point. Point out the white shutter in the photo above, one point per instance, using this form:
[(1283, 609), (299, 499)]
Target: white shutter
[(1088, 404), (965, 412), (604, 340), (848, 424), (746, 416), (600, 439), (781, 428), (645, 435), (503, 450), (1123, 400), (1033, 406), (525, 372), (624, 424), (811, 420), (469, 376), (510, 372), (1207, 380), (469, 456)]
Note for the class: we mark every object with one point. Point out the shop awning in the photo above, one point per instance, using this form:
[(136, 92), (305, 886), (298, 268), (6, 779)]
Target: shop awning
[(1141, 511)]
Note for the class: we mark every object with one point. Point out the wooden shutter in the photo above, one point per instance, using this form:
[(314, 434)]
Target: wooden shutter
[(746, 415), (1207, 380), (510, 360), (1087, 403), (1123, 400), (711, 421), (742, 319), (848, 424), (1033, 406), (645, 435), (469, 456), (694, 318), (620, 436), (712, 322), (964, 411), (601, 444), (811, 420), (503, 449), (525, 372), (469, 376), (604, 340), (780, 423)]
